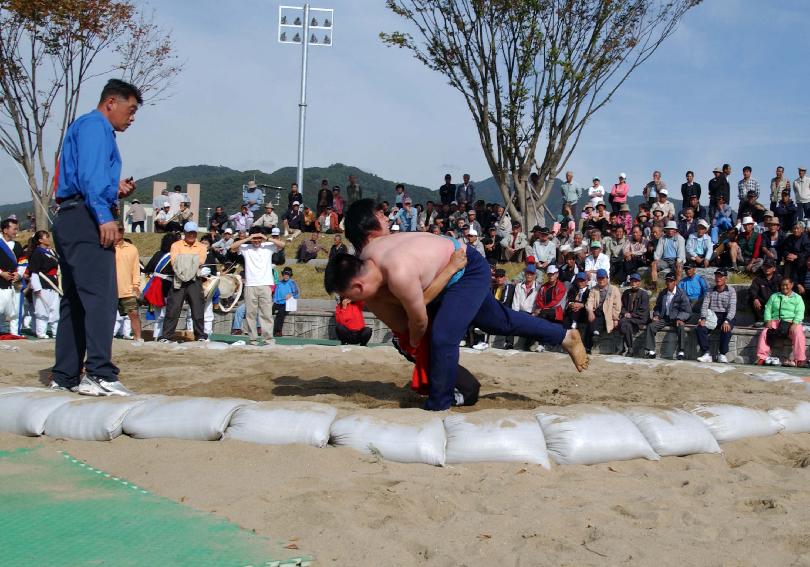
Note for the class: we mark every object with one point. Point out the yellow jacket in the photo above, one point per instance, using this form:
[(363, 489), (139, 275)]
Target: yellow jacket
[(127, 269)]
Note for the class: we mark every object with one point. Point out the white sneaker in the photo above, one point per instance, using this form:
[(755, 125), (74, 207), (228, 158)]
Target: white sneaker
[(458, 398), (93, 386), (721, 358), (56, 387), (481, 346), (462, 344), (596, 333), (705, 358)]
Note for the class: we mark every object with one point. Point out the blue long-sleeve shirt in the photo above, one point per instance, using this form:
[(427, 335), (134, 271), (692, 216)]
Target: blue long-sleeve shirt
[(283, 289), (90, 165), (695, 287)]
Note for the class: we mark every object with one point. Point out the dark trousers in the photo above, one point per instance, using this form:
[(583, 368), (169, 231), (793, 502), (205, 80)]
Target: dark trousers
[(348, 337), (626, 328), (470, 301), (617, 270), (598, 324), (579, 317), (88, 307), (136, 225), (279, 314), (802, 211), (193, 294), (703, 335), (654, 326)]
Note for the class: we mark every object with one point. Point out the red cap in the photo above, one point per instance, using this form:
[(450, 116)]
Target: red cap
[(530, 260)]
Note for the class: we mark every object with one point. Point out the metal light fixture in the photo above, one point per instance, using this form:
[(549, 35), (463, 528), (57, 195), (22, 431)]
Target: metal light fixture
[(297, 38), (283, 36), (313, 39), (297, 21), (327, 23), (283, 20), (327, 40), (314, 23)]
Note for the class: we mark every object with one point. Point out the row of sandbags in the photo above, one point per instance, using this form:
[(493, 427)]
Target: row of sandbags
[(569, 435)]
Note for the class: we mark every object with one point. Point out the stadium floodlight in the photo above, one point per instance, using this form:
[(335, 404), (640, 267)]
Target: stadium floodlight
[(304, 24)]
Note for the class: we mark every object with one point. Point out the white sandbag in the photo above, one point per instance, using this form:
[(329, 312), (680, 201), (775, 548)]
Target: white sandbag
[(5, 390), (91, 419), (25, 413), (590, 435), (495, 435), (729, 423), (282, 423), (201, 419), (796, 420), (405, 436), (673, 432)]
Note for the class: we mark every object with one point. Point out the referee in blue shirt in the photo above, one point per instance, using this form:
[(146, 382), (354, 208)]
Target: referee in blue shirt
[(85, 229)]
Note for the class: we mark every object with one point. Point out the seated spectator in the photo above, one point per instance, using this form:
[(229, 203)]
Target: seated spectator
[(727, 253), (687, 226), (751, 208), (163, 218), (670, 253), (548, 303), (544, 249), (575, 314), (699, 245), (310, 221), (350, 325), (328, 222), (695, 288), (565, 220), (783, 314), (338, 247), (722, 302), (785, 209), (221, 246), (635, 251), (568, 270), (474, 242), (772, 241), (596, 261), (603, 307), (767, 282), (293, 221), (750, 242), (286, 289), (635, 312), (242, 220), (795, 250), (526, 293), (514, 244), (308, 250), (673, 309), (664, 205), (625, 217), (614, 250), (407, 217), (218, 220), (698, 210), (723, 219), (268, 221)]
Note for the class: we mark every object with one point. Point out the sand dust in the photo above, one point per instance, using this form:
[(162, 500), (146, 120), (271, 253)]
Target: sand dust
[(749, 506)]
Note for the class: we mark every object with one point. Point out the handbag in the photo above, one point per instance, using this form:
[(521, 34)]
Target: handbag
[(781, 331)]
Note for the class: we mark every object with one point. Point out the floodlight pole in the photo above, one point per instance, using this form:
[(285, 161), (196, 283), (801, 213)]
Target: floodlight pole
[(302, 106)]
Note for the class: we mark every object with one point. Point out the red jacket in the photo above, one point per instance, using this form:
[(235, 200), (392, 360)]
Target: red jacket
[(557, 293), (351, 317)]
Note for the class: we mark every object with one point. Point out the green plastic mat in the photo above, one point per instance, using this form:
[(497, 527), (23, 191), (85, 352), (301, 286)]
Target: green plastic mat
[(58, 511)]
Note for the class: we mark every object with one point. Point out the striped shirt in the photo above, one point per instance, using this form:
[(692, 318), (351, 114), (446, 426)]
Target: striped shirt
[(720, 302)]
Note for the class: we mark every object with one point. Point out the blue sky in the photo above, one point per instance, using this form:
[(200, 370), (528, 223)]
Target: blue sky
[(730, 86)]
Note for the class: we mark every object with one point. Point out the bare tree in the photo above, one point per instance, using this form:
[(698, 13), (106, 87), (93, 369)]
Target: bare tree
[(48, 50), (534, 72)]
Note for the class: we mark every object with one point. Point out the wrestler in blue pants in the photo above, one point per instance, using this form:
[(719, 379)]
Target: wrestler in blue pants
[(470, 301)]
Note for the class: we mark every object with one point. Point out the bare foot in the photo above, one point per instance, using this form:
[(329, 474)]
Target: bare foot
[(572, 344)]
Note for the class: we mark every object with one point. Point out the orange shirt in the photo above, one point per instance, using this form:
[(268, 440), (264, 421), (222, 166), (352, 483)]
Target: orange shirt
[(182, 247), (127, 269)]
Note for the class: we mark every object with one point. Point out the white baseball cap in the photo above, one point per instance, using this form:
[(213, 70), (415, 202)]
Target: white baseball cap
[(663, 192), (228, 231), (395, 228), (552, 269), (671, 225), (623, 175), (275, 231), (472, 232), (748, 220), (703, 223)]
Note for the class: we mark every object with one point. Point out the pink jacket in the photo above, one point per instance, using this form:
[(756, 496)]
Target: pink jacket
[(619, 192)]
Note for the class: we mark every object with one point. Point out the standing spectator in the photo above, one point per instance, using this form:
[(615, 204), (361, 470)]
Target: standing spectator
[(128, 278), (670, 253), (465, 192), (766, 282), (699, 246), (85, 230), (159, 269), (294, 196), (571, 193), (618, 194), (673, 309), (10, 281), (604, 308), (242, 220), (447, 192), (257, 251), (722, 302), (795, 250), (576, 299), (786, 210), (218, 220), (353, 190), (308, 250), (718, 187), (690, 188), (253, 197), (514, 245), (407, 216), (801, 189), (550, 298), (337, 248), (293, 221), (176, 197), (286, 289), (784, 314), (337, 202), (635, 312), (747, 184), (663, 204), (779, 184), (653, 189), (596, 262), (324, 198), (43, 267), (187, 257), (136, 215), (350, 325), (597, 191)]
